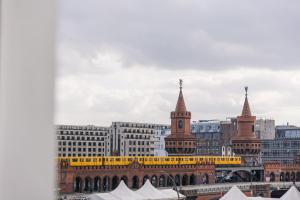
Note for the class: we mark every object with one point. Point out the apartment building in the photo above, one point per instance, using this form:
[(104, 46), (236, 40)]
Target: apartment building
[(81, 140)]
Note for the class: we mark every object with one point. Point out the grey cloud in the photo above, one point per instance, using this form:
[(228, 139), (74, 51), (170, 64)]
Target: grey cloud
[(204, 35), (213, 45)]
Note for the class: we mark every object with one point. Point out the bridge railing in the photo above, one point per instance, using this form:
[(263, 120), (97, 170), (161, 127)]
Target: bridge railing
[(217, 188)]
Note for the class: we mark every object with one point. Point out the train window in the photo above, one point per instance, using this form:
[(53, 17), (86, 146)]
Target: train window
[(118, 159), (191, 159), (95, 160), (74, 160)]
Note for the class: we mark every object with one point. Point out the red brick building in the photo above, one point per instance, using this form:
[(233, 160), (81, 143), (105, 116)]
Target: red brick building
[(277, 172), (105, 178), (245, 142), (180, 141)]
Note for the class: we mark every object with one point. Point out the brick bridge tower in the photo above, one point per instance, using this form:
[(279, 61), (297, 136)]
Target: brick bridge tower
[(245, 142), (180, 142)]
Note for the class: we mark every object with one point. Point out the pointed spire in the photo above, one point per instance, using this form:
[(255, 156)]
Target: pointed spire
[(180, 107), (246, 109)]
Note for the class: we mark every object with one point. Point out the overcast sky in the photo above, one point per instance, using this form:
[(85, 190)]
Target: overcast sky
[(121, 60)]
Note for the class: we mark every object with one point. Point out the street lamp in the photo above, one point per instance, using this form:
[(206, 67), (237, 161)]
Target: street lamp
[(173, 181)]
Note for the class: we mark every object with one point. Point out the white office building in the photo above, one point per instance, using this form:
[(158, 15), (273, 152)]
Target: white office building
[(81, 140), (132, 139), (159, 140), (265, 129)]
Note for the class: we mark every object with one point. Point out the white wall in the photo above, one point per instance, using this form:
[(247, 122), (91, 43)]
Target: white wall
[(26, 100)]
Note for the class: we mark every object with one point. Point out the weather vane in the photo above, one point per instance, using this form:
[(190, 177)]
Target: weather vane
[(246, 89), (180, 83)]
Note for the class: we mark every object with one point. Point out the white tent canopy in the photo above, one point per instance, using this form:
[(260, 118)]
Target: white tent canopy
[(102, 196), (172, 194), (291, 194), (236, 194), (150, 192), (123, 192), (147, 192), (261, 198)]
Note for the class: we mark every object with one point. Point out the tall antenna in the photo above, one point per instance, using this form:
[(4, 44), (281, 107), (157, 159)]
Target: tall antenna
[(180, 84), (246, 90)]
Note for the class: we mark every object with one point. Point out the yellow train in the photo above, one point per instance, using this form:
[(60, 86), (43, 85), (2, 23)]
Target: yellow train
[(153, 160)]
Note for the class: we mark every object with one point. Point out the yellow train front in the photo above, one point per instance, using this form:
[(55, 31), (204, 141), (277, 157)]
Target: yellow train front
[(151, 160)]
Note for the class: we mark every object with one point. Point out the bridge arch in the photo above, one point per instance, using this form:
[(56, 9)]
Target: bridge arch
[(88, 184), (106, 184), (78, 184), (193, 179), (298, 176), (244, 175), (114, 182), (241, 170), (154, 180), (293, 176), (272, 177), (135, 182), (204, 179), (185, 180), (125, 179), (287, 176), (177, 179), (97, 184), (170, 181), (145, 178), (282, 177), (162, 181)]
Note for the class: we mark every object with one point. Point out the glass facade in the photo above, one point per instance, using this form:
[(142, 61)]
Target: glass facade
[(284, 148), (208, 137)]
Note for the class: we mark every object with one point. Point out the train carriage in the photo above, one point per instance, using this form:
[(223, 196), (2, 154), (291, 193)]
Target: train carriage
[(153, 160), (117, 160)]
